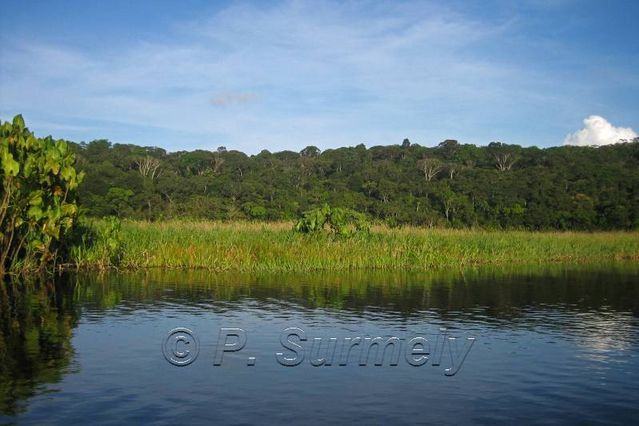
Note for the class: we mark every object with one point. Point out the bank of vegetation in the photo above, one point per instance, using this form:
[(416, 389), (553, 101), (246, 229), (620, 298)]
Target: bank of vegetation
[(274, 247), (99, 205)]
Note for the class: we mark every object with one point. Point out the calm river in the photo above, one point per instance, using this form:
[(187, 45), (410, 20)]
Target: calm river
[(551, 346)]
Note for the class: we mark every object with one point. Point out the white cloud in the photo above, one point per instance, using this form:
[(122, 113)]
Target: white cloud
[(598, 131)]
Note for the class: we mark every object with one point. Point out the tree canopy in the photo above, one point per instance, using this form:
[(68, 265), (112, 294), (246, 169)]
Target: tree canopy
[(451, 184)]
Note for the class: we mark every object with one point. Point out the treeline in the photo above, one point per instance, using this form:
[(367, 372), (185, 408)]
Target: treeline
[(452, 184)]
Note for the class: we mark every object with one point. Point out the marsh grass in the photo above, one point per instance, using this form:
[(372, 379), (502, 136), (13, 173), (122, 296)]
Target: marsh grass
[(274, 247)]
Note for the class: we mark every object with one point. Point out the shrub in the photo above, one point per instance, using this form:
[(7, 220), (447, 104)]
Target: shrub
[(37, 199), (339, 221)]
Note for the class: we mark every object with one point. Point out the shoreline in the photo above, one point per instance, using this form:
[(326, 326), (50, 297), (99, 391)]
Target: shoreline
[(274, 247)]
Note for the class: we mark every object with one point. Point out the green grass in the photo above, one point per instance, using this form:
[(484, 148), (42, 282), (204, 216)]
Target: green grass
[(251, 247)]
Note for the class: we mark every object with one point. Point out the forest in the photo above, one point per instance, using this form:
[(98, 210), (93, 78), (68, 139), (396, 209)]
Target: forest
[(498, 186)]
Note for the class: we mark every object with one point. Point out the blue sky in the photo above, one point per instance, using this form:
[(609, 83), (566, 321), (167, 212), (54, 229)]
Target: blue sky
[(284, 75)]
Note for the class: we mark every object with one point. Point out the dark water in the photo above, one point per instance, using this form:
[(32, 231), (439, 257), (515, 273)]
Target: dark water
[(552, 346)]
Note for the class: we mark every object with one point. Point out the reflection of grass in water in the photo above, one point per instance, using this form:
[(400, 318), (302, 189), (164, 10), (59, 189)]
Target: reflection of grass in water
[(251, 247), (499, 288), (37, 320)]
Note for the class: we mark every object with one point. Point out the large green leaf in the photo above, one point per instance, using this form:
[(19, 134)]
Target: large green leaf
[(35, 198), (35, 212), (67, 173), (53, 165), (9, 165), (61, 146)]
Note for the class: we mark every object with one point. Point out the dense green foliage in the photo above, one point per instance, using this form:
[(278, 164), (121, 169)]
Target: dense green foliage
[(339, 221), (37, 207), (452, 184)]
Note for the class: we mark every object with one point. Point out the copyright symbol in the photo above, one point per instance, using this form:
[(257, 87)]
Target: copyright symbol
[(180, 347)]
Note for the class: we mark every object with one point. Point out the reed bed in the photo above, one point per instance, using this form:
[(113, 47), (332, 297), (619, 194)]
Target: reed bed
[(274, 247)]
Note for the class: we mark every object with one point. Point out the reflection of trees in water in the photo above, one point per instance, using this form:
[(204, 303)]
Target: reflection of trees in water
[(36, 322), (494, 293), (567, 301), (582, 303)]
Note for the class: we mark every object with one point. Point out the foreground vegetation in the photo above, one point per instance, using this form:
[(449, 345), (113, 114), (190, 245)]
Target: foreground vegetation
[(274, 247), (37, 198)]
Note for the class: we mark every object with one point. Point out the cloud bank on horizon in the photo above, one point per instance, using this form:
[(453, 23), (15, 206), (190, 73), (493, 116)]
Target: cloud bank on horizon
[(598, 131), (287, 74)]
